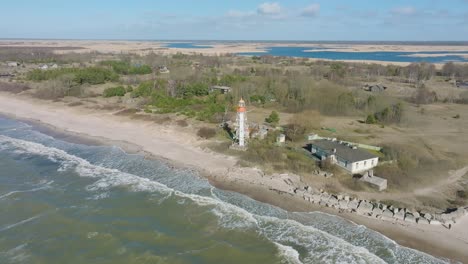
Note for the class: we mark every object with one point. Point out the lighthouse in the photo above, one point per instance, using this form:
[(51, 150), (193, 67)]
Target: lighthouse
[(241, 123)]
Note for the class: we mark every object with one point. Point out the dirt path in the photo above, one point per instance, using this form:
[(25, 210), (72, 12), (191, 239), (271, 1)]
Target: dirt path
[(454, 177)]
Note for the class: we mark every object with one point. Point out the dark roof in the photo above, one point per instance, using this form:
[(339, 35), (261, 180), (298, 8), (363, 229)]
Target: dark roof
[(343, 151)]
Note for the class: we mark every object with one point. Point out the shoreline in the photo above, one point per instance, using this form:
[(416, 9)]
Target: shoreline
[(88, 127), (142, 47)]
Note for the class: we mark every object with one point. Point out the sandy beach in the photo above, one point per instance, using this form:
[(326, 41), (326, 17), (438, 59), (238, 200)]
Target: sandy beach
[(222, 48), (185, 150)]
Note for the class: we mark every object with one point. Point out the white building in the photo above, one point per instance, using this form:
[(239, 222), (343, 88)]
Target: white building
[(350, 158), (13, 64)]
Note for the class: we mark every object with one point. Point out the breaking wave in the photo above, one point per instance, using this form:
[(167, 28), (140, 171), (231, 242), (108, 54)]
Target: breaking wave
[(296, 240)]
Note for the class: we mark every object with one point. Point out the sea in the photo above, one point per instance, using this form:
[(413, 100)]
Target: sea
[(325, 53), (66, 201)]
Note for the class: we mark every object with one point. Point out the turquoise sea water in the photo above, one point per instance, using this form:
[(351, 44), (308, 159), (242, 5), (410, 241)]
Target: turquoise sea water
[(63, 202), (323, 53), (187, 45), (372, 56)]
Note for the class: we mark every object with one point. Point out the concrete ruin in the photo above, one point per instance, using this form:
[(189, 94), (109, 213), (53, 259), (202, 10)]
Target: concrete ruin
[(369, 177)]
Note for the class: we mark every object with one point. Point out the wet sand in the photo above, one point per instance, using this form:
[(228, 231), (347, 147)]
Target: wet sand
[(184, 150)]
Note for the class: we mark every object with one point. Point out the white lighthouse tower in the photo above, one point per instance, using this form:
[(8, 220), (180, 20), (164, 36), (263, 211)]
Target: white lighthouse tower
[(241, 123)]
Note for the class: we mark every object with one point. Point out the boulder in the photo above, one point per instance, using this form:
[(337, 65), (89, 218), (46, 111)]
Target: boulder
[(346, 198), (423, 220), (377, 211), (460, 212), (410, 218), (316, 198), (353, 204), (332, 201), (365, 208), (428, 216), (325, 196), (435, 222), (343, 204), (400, 215), (387, 215), (416, 214)]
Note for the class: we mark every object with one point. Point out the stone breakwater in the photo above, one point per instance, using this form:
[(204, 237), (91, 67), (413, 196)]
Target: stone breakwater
[(379, 210), (291, 184)]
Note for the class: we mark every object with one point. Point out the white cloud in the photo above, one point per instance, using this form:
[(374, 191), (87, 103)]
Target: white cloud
[(268, 8), (406, 11), (311, 10)]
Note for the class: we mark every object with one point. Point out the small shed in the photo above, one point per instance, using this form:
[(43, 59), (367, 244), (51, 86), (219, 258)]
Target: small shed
[(13, 64), (377, 88), (281, 138), (312, 136), (222, 89)]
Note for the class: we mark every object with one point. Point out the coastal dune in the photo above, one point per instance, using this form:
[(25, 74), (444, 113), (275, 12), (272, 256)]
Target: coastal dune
[(184, 149)]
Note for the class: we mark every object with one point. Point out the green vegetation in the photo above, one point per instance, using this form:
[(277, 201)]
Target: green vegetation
[(92, 75), (390, 114), (115, 91), (125, 68), (371, 119), (95, 75), (272, 157), (41, 75), (191, 100), (273, 118)]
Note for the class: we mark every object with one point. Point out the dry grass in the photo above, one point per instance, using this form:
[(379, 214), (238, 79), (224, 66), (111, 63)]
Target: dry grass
[(13, 87)]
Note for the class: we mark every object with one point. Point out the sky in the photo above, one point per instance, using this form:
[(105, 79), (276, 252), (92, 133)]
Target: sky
[(377, 20)]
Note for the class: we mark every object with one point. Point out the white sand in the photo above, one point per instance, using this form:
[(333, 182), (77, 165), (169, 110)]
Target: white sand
[(183, 148)]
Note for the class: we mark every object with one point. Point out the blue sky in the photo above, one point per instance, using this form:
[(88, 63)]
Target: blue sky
[(236, 20)]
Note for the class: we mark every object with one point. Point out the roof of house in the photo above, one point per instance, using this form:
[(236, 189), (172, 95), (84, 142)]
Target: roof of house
[(343, 151)]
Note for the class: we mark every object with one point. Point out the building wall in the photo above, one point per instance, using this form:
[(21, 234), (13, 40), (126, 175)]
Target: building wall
[(364, 165), (355, 167)]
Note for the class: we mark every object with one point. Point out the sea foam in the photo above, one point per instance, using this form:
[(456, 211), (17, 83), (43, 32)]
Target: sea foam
[(319, 246)]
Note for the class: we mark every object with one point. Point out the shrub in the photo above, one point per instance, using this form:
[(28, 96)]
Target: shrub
[(143, 90), (13, 87), (95, 75), (92, 75), (273, 118), (125, 68), (391, 114), (206, 132), (114, 91), (461, 194), (371, 119)]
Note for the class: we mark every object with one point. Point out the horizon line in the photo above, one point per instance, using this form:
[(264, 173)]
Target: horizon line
[(245, 40)]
